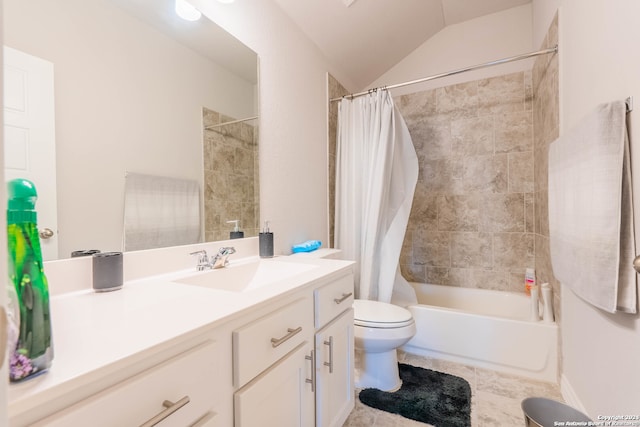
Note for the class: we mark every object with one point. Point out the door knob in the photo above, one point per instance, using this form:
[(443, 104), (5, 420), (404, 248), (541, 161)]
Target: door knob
[(46, 233)]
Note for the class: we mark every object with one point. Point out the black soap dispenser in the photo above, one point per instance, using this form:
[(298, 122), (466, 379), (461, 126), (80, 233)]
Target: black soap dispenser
[(236, 233), (265, 240)]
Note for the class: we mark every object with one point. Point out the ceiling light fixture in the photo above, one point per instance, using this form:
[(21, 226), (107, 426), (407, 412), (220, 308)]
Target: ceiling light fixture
[(186, 11), (226, 1)]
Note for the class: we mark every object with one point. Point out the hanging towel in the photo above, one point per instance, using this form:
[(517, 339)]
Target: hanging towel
[(591, 211), (160, 211)]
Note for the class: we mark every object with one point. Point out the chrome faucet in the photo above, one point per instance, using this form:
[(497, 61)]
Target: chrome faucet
[(220, 260), (222, 257)]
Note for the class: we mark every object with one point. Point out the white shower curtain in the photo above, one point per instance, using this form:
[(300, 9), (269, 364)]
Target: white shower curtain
[(377, 171)]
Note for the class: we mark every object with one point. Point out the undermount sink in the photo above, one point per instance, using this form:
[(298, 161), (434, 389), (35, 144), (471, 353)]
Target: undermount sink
[(246, 276)]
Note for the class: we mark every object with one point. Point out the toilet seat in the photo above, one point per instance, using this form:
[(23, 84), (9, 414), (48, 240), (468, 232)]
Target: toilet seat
[(376, 314)]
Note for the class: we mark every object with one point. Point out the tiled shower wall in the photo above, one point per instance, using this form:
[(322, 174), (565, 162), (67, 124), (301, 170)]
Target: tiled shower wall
[(472, 220), (231, 184), (546, 128)]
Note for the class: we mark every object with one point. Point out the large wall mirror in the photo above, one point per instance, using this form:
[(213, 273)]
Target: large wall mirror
[(136, 90)]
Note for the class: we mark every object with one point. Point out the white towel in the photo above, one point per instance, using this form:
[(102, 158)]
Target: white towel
[(160, 212), (591, 211)]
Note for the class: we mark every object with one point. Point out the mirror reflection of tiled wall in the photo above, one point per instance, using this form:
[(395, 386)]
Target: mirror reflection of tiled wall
[(231, 178)]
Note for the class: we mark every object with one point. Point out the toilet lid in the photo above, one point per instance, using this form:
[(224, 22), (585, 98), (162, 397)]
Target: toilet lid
[(380, 314)]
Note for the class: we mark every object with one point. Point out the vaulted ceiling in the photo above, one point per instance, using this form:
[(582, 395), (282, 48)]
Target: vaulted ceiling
[(367, 37)]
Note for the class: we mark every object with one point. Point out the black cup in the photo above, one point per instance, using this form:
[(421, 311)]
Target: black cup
[(107, 271)]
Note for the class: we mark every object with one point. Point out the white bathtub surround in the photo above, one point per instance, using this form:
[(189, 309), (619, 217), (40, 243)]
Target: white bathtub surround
[(377, 171), (591, 212), (483, 328)]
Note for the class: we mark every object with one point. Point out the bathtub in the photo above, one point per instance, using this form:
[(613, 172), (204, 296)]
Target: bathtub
[(483, 328)]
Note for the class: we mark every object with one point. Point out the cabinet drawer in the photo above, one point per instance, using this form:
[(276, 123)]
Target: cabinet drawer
[(257, 345), (332, 299), (192, 375)]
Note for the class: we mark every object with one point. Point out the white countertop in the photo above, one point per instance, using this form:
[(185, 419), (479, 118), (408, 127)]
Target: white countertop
[(95, 333)]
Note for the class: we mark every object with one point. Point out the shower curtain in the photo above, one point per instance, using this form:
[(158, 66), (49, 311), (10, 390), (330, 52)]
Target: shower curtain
[(376, 175)]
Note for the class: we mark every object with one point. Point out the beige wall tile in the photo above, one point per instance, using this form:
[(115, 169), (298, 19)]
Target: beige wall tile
[(431, 248), (502, 212), (513, 250), (521, 170), (485, 173), (457, 101), (472, 136), (471, 250), (458, 213), (502, 94), (514, 132), (416, 107)]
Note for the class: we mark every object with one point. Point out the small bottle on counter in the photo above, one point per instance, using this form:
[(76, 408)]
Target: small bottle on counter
[(265, 240)]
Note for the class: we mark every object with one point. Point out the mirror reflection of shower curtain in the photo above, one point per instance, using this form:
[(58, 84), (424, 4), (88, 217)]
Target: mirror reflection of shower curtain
[(376, 175)]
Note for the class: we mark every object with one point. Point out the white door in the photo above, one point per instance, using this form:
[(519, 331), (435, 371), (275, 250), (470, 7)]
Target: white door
[(29, 136)]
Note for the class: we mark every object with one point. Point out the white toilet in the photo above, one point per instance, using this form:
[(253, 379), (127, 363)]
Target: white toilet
[(379, 329)]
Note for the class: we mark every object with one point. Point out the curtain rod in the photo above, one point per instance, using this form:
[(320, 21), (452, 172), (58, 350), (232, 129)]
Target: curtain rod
[(229, 123), (454, 72)]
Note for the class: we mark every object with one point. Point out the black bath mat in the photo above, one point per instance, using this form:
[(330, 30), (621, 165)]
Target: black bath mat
[(428, 396)]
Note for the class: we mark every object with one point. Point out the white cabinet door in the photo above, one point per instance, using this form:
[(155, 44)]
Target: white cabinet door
[(334, 370), (280, 396)]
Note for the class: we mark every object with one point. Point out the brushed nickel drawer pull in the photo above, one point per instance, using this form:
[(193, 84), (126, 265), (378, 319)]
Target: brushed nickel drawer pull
[(171, 407), (344, 297), (291, 332), (312, 381), (330, 362)]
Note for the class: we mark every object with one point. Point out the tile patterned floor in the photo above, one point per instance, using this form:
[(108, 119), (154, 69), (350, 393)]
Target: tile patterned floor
[(495, 400)]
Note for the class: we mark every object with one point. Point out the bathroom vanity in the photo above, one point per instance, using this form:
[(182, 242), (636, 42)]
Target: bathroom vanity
[(263, 343)]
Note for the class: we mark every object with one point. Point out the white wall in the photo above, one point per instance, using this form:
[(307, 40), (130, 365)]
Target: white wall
[(127, 98), (4, 279), (599, 62), (293, 118), (499, 35)]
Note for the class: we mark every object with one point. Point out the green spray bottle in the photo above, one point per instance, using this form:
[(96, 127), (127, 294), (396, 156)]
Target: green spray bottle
[(33, 351)]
